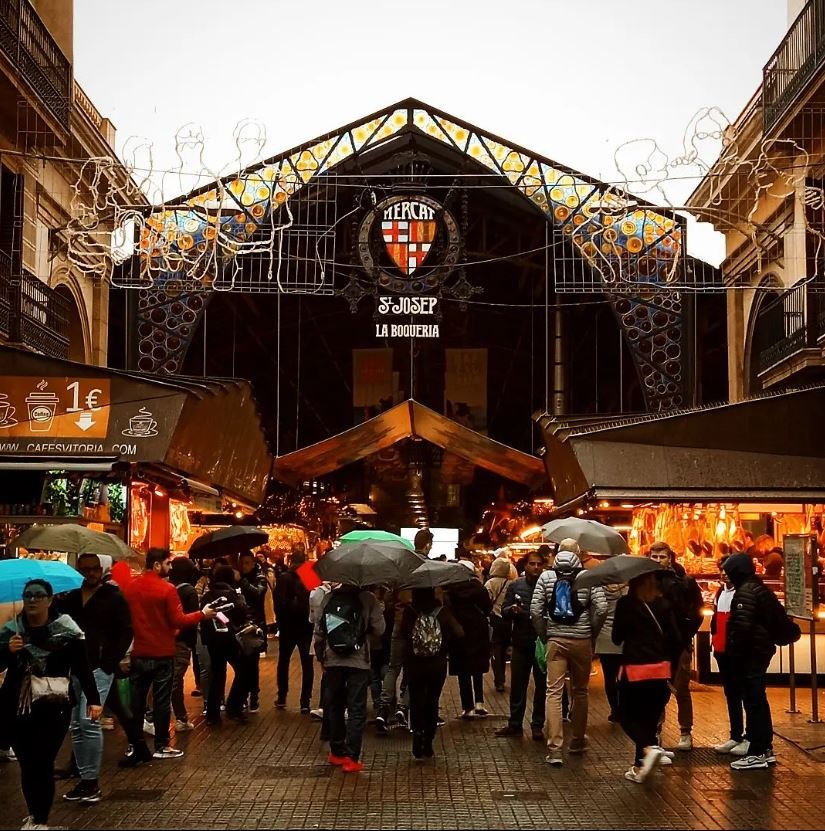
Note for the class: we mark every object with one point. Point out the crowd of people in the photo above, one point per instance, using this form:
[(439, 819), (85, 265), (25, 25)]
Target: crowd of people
[(101, 651)]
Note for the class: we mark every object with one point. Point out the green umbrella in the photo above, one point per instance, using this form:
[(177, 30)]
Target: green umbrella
[(372, 534)]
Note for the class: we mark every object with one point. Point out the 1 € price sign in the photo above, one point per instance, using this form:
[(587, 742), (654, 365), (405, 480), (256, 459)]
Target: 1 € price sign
[(45, 408)]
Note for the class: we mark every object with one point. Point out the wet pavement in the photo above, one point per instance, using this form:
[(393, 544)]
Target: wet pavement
[(272, 773)]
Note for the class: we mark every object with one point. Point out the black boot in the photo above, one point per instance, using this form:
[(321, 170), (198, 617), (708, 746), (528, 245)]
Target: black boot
[(427, 747), (418, 745)]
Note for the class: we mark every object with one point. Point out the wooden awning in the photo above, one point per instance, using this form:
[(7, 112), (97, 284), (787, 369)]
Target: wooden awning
[(56, 413), (405, 421), (769, 448)]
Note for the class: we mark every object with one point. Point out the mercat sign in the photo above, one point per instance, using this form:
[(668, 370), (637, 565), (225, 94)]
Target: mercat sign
[(401, 317)]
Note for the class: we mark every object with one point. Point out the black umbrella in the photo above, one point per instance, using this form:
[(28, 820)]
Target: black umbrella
[(368, 563), (619, 569), (433, 573), (225, 541)]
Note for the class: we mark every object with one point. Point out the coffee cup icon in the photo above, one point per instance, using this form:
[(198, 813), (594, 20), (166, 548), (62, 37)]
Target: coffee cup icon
[(6, 411), (142, 425), (42, 407)]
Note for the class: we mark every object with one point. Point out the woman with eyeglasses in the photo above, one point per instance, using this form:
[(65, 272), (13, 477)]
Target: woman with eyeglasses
[(41, 650)]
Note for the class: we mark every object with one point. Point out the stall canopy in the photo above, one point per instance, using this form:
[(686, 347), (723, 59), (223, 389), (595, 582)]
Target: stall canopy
[(768, 448), (61, 414), (408, 420)]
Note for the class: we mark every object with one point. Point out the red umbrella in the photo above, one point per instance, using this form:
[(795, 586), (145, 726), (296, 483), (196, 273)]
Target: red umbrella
[(308, 575)]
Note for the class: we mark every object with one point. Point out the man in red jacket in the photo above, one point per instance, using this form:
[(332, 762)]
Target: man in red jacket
[(157, 615)]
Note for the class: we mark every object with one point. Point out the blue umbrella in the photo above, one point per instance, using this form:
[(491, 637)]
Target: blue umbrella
[(14, 574)]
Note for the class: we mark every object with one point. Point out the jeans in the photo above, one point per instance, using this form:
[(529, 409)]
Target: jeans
[(239, 690), (498, 643), (36, 739), (204, 667), (522, 664), (426, 682), (182, 655), (573, 656), (391, 676), (157, 674), (87, 737), (288, 640), (346, 690), (640, 704), (757, 710), (733, 696), (471, 689), (378, 670), (611, 664), (254, 666), (681, 683)]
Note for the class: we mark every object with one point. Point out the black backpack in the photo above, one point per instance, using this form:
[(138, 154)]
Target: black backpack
[(565, 606), (781, 628), (343, 623)]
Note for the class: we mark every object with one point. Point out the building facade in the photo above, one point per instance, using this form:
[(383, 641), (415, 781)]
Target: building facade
[(766, 193), (56, 203)]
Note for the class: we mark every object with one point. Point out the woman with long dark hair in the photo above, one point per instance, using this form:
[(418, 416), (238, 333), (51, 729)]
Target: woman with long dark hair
[(41, 651), (646, 628)]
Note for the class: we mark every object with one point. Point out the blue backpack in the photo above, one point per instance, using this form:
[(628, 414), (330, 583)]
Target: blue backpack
[(565, 606)]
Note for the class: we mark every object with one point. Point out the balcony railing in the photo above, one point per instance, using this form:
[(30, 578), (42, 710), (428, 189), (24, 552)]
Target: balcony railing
[(786, 326), (794, 63), (26, 42), (31, 313)]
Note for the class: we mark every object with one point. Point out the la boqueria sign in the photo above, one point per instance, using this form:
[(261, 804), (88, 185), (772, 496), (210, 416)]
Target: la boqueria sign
[(406, 317)]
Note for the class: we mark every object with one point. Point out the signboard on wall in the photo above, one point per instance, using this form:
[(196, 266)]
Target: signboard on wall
[(372, 382), (465, 387), (799, 576)]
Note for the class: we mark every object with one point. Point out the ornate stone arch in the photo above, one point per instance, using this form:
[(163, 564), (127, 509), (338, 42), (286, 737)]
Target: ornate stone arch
[(66, 283), (768, 289)]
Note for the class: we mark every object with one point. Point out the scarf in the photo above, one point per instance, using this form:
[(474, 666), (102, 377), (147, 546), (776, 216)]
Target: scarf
[(60, 633)]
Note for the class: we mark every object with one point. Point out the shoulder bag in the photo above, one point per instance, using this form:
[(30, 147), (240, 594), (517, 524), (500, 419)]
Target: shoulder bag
[(659, 671)]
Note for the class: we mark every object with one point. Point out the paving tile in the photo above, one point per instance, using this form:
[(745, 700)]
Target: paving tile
[(271, 773)]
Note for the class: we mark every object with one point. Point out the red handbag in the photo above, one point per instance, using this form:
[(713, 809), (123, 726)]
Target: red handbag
[(648, 672)]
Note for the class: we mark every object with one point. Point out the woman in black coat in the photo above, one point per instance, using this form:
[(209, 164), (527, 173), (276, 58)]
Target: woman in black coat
[(426, 673), (470, 659), (219, 638), (645, 627)]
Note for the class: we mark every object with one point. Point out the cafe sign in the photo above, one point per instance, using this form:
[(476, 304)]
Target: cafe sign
[(77, 416)]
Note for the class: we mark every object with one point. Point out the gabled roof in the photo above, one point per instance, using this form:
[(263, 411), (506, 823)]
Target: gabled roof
[(766, 448), (638, 241), (408, 420)]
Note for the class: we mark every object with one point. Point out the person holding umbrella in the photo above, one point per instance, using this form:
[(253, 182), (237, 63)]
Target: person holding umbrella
[(41, 651), (426, 629), (646, 628)]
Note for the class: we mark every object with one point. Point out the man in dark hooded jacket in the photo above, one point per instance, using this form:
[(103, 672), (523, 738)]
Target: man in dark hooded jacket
[(751, 638)]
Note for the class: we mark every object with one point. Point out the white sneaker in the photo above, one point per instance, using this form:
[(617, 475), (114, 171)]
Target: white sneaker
[(666, 754), (750, 763), (685, 742), (741, 748), (653, 756), (183, 726), (726, 747), (7, 756), (634, 776), (28, 822), (317, 714), (770, 756), (148, 728), (480, 711), (168, 753)]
